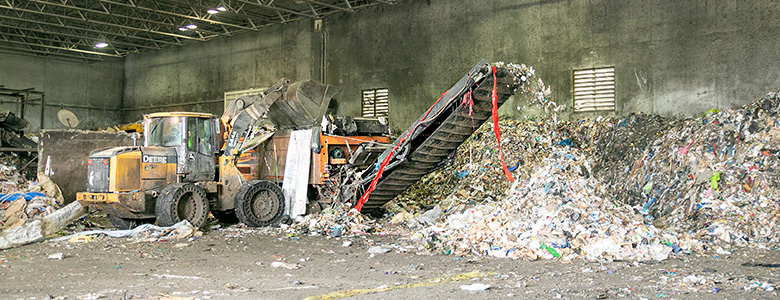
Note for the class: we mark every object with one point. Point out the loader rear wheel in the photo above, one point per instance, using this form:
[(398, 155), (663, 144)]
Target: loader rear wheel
[(122, 223), (259, 203), (182, 201)]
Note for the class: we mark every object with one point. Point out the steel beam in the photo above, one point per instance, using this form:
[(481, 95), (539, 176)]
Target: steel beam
[(73, 35), (56, 47), (78, 42), (115, 14), (63, 25), (134, 5), (67, 28), (60, 16), (259, 3), (17, 51), (349, 9)]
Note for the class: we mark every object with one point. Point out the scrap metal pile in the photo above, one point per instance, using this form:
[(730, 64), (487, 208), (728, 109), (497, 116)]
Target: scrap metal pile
[(641, 187)]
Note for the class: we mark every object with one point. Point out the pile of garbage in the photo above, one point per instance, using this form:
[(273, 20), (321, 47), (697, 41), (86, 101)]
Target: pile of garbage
[(22, 201), (338, 219), (640, 187), (557, 213), (716, 175), (30, 210), (471, 176)]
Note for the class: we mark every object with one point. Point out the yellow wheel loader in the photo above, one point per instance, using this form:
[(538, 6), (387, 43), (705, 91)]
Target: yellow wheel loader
[(192, 163)]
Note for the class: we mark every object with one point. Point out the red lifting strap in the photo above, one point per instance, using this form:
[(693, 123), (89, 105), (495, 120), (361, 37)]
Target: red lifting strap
[(385, 161), (494, 98)]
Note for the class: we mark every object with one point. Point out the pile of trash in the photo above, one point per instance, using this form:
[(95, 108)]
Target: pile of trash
[(22, 201), (30, 210), (636, 188), (471, 176), (716, 175), (557, 213), (336, 220)]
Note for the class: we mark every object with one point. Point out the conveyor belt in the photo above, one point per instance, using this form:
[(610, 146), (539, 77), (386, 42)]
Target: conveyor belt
[(442, 134)]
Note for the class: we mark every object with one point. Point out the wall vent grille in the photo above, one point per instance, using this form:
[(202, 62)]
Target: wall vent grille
[(594, 89), (375, 103)]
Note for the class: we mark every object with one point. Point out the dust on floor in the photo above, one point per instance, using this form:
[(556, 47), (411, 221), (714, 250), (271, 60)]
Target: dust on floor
[(241, 263)]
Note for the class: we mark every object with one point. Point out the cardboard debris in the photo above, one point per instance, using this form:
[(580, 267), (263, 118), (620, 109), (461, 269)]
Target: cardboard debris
[(39, 228), (30, 210)]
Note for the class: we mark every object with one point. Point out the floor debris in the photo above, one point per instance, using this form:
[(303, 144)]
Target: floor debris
[(426, 283), (142, 233)]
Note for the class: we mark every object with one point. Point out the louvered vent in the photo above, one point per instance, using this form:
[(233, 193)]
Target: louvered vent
[(594, 89), (375, 103)]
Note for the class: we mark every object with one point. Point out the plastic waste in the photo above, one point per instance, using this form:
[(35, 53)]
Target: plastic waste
[(378, 250), (289, 266), (430, 216), (475, 287)]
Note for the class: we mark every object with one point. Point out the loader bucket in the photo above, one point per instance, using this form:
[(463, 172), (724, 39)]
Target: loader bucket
[(303, 106)]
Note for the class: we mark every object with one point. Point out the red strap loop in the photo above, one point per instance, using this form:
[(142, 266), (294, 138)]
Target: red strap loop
[(385, 161), (494, 98)]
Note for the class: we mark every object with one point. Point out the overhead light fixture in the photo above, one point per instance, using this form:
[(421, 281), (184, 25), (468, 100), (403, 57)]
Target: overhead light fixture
[(192, 26), (221, 8), (212, 11), (101, 45), (183, 28)]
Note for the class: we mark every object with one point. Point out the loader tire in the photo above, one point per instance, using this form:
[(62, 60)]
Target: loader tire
[(182, 201), (259, 203)]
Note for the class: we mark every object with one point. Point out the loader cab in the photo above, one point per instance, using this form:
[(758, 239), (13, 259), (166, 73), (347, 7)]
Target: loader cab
[(193, 135)]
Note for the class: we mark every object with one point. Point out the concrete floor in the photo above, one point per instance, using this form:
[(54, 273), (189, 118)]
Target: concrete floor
[(237, 263)]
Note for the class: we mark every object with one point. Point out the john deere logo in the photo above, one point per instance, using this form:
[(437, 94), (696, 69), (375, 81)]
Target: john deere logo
[(154, 159)]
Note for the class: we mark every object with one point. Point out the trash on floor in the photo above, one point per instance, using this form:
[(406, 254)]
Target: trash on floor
[(141, 233)]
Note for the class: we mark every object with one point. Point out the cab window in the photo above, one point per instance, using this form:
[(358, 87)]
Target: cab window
[(204, 136), (165, 132), (192, 129)]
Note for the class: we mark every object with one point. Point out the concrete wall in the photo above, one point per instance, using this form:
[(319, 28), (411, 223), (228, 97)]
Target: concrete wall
[(92, 91), (671, 57), (200, 73)]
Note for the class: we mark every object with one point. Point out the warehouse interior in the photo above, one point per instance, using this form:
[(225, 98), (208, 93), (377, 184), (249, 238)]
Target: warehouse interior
[(634, 153)]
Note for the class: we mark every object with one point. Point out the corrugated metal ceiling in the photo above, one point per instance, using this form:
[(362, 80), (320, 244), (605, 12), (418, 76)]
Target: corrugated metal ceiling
[(93, 30)]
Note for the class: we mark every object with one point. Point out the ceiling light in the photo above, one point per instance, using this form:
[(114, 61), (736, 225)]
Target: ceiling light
[(101, 45), (183, 28), (192, 26), (212, 11), (221, 8)]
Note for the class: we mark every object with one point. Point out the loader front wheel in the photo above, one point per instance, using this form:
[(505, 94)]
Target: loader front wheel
[(182, 201), (259, 203)]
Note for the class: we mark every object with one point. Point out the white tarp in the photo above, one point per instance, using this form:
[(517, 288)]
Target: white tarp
[(143, 228), (296, 173)]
